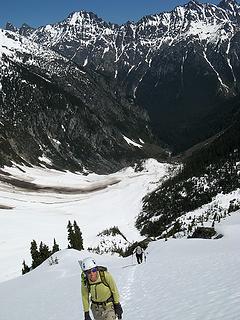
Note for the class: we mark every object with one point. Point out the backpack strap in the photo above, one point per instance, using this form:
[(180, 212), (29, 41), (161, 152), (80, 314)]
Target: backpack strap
[(103, 278), (85, 280)]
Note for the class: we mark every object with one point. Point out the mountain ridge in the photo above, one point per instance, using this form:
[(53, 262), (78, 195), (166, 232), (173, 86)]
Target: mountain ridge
[(180, 68), (166, 62)]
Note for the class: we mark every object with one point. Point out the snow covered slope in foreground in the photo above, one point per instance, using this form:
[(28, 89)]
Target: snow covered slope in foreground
[(187, 279), (96, 202)]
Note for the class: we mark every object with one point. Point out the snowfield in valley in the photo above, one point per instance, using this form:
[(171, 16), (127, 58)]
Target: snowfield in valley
[(96, 202)]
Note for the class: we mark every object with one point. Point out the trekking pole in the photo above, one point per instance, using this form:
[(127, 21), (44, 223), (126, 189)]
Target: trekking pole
[(132, 258)]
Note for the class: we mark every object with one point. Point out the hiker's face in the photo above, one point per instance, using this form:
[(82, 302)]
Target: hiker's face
[(92, 274)]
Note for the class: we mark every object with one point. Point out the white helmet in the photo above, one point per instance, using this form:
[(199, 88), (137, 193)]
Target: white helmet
[(88, 264)]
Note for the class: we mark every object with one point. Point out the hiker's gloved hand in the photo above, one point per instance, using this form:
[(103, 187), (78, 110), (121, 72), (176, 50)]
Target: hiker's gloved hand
[(87, 316), (118, 310)]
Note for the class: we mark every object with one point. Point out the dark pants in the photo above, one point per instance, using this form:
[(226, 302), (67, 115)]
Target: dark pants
[(139, 258)]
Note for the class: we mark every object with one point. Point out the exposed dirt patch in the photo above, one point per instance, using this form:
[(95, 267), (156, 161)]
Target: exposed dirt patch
[(2, 206), (34, 187)]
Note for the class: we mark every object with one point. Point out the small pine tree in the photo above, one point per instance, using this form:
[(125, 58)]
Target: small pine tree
[(190, 227), (74, 236), (44, 252), (25, 268), (70, 235), (35, 255), (55, 247), (78, 240)]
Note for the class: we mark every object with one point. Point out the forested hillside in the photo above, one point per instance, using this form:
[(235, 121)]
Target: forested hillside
[(210, 170)]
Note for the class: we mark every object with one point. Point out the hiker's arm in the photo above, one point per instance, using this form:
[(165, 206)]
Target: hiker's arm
[(113, 287), (85, 298)]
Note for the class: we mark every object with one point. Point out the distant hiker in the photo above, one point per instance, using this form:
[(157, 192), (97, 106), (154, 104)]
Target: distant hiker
[(139, 254), (100, 291)]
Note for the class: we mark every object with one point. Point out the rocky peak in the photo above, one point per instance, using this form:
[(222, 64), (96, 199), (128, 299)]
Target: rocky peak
[(26, 30), (232, 8), (228, 4), (193, 4), (78, 26), (84, 18), (78, 16), (11, 27)]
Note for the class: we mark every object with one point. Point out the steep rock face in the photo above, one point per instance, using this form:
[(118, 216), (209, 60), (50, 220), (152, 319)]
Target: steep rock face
[(181, 66), (54, 112)]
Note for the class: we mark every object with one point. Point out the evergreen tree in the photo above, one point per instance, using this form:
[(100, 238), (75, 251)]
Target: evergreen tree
[(25, 268), (38, 256), (55, 247), (74, 236), (78, 240), (35, 255), (44, 252), (70, 235)]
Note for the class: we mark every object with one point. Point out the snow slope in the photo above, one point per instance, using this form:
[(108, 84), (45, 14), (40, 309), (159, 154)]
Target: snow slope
[(185, 279), (96, 202)]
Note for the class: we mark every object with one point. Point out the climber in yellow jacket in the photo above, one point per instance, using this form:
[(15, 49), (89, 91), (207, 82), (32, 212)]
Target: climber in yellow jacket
[(99, 291)]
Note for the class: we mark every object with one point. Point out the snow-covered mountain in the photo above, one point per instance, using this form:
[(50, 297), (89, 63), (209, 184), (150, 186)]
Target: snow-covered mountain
[(86, 38), (54, 109), (181, 66), (188, 279)]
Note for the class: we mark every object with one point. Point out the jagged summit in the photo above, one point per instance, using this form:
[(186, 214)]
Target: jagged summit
[(77, 17), (230, 5), (87, 17), (9, 26), (25, 25), (24, 30), (228, 2), (192, 4)]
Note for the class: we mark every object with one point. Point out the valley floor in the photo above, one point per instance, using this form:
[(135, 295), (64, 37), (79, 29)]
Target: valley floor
[(40, 207)]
